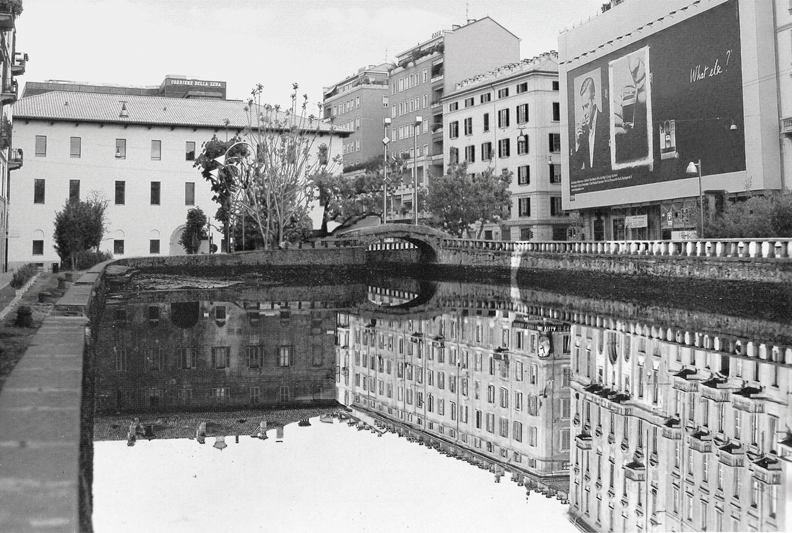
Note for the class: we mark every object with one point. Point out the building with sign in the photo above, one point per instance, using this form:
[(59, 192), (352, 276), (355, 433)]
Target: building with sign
[(359, 104), (508, 120), (136, 151), (171, 86), (651, 87)]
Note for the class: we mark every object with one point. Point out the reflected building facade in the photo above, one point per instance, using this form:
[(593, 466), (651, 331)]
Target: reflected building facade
[(487, 380), (677, 430), (154, 354)]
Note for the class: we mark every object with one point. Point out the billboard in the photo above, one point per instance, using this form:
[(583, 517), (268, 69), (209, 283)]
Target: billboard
[(641, 114)]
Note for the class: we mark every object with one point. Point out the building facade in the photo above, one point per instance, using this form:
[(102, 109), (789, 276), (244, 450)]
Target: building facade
[(678, 430), (671, 105), (508, 120), (423, 75), (359, 104), (493, 384), (137, 152), (13, 64)]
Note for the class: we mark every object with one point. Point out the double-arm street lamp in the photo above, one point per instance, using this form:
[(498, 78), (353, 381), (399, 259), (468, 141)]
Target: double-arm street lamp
[(417, 126), (385, 142), (221, 160), (693, 169)]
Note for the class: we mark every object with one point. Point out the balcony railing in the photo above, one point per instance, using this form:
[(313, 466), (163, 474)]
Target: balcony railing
[(20, 61), (786, 126), (15, 159), (9, 94), (733, 454)]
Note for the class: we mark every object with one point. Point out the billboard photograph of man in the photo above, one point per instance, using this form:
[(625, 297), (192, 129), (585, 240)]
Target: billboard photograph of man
[(591, 151), (631, 110)]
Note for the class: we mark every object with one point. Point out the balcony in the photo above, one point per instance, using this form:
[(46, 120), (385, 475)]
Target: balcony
[(672, 428), (9, 94), (635, 471), (767, 470), (20, 61), (7, 21), (786, 126), (15, 159), (716, 389), (436, 78), (436, 103), (733, 454), (747, 399), (583, 440), (701, 441), (686, 380)]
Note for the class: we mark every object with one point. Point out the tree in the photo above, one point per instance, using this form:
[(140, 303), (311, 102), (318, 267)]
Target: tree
[(757, 217), (267, 169), (194, 231), (79, 227), (457, 200), (347, 199)]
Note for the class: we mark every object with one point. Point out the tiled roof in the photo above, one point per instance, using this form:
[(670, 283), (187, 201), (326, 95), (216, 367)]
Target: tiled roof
[(154, 110)]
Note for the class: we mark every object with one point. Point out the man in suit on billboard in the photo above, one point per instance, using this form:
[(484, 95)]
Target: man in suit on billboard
[(592, 151)]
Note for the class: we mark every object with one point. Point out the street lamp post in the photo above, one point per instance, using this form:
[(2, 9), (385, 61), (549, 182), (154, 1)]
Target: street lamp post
[(693, 169), (417, 128), (385, 142), (221, 160)]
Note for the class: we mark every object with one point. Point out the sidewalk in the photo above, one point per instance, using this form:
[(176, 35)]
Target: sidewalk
[(40, 429)]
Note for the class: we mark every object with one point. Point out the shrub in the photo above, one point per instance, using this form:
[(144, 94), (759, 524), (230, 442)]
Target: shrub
[(23, 274), (87, 258), (757, 217)]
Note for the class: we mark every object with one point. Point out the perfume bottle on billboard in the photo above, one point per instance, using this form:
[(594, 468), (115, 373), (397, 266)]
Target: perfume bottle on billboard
[(668, 139)]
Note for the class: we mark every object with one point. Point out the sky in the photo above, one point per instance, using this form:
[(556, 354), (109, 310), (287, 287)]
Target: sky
[(322, 478), (314, 43)]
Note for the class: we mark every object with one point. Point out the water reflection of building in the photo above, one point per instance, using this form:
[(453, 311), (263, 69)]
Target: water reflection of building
[(678, 431), (488, 381), (155, 355)]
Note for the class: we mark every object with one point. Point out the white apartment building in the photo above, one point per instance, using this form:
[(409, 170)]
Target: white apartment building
[(135, 151), (508, 120)]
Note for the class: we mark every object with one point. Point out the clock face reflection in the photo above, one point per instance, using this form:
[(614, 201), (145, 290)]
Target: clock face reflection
[(544, 346)]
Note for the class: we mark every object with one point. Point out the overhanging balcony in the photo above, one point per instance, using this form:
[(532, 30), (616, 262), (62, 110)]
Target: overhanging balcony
[(701, 441), (15, 159), (767, 470), (733, 454), (716, 389), (9, 94), (786, 126), (20, 61), (748, 399)]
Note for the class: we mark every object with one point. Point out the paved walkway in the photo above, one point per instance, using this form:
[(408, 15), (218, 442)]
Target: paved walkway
[(40, 428)]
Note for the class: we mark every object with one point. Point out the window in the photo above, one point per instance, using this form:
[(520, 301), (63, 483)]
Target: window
[(453, 155), (189, 151), (154, 246), (555, 173), (39, 187), (504, 398), (524, 207), (491, 393), (503, 93), (556, 111), (469, 102), (486, 98), (468, 124), (156, 150), (555, 206), (490, 422), (453, 106), (522, 113), (75, 147), (186, 358), (486, 151), (120, 192), (565, 441), (118, 246), (38, 247), (41, 146), (555, 142), (532, 435), (503, 148), (285, 356), (155, 193), (453, 130), (503, 118), (555, 86), (523, 175), (522, 87), (518, 401), (189, 193), (120, 151), (503, 427), (74, 190), (522, 144), (470, 154)]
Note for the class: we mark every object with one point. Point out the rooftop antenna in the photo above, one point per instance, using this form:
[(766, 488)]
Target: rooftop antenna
[(467, 5)]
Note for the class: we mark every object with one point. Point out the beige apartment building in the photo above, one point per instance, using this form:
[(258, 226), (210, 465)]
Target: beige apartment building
[(508, 120), (423, 75)]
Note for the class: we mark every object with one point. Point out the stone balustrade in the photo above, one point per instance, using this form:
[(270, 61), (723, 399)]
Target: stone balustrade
[(714, 248)]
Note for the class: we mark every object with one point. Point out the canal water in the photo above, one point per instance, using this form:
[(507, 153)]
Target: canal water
[(373, 402)]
